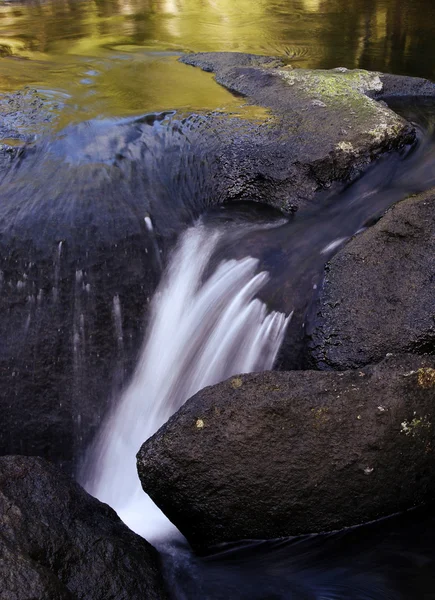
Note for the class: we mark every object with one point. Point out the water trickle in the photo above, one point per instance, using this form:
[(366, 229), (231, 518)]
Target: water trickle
[(117, 318), (149, 223), (201, 332), (155, 246), (57, 261)]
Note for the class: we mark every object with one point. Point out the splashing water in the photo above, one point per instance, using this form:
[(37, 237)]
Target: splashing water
[(200, 334)]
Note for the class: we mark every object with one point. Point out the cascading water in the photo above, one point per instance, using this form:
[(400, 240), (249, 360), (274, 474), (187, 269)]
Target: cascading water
[(200, 333)]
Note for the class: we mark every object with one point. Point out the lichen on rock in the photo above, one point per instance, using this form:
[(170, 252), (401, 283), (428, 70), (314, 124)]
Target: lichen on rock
[(426, 378), (348, 91)]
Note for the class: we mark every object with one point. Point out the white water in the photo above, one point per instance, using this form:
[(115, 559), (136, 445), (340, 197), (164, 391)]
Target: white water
[(200, 334)]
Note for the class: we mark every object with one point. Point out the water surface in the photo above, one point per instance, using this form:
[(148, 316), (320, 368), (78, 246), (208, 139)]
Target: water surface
[(118, 57)]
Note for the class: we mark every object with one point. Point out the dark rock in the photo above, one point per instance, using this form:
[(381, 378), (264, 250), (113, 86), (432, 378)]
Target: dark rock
[(216, 61), (398, 85), (282, 453), (379, 291), (59, 543), (78, 267), (330, 129), (70, 332)]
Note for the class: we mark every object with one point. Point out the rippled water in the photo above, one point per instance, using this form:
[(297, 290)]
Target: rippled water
[(118, 57)]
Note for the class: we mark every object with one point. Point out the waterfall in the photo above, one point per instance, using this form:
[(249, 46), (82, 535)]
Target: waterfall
[(201, 332)]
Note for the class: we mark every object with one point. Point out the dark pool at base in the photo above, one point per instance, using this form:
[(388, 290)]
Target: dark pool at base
[(393, 559)]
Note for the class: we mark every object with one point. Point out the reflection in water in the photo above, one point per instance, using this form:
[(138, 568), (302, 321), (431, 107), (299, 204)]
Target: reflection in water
[(117, 57)]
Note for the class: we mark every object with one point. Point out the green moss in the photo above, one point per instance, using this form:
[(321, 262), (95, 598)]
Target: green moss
[(335, 83), (415, 426), (345, 90)]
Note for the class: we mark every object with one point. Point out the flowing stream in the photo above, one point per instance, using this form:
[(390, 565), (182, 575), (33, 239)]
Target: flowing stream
[(202, 330)]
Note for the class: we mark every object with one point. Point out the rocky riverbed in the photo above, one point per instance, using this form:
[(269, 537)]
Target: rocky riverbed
[(88, 220)]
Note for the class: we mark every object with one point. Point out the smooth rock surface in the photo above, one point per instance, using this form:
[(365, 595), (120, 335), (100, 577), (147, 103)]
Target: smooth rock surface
[(378, 294), (59, 543), (282, 453)]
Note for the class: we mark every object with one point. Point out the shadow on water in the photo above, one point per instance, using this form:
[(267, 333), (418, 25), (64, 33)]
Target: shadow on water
[(393, 559)]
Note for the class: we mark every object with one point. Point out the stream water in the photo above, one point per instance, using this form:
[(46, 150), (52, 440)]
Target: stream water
[(240, 281), (200, 333)]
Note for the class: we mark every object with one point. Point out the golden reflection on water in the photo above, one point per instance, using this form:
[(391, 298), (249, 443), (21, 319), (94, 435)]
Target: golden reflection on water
[(118, 57)]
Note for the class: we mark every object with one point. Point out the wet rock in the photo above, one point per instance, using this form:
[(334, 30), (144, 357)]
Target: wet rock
[(77, 270), (70, 330), (330, 126), (379, 290), (398, 85), (59, 543), (216, 61), (25, 115), (282, 453)]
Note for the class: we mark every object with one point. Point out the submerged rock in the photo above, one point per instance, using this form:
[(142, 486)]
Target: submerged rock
[(282, 453), (59, 543), (379, 291)]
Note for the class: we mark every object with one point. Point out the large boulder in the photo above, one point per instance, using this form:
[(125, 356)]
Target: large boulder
[(59, 543), (378, 294), (282, 453)]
